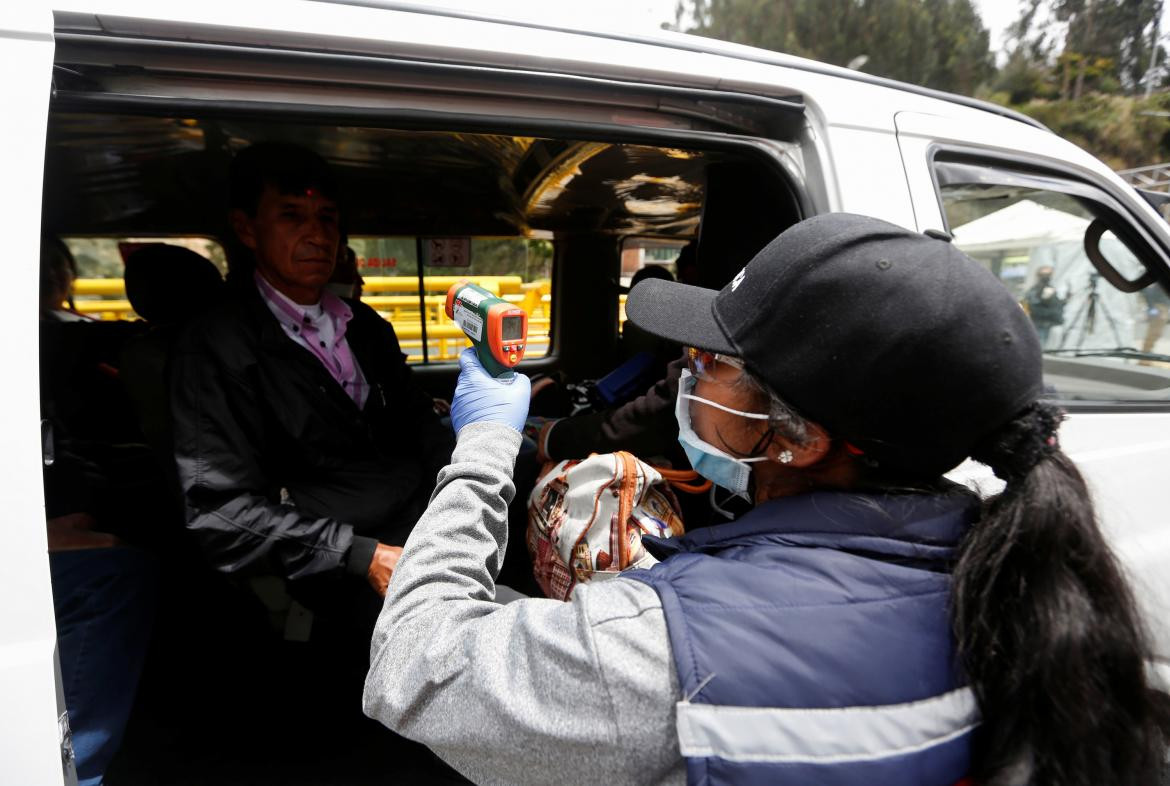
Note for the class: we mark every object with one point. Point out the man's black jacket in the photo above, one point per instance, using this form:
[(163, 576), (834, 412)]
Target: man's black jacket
[(280, 469)]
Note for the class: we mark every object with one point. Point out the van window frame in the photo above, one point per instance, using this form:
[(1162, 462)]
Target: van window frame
[(1026, 165), (729, 111), (1129, 226)]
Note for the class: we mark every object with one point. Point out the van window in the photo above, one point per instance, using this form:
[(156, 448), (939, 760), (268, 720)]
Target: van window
[(517, 269), (99, 291), (1101, 344), (658, 258)]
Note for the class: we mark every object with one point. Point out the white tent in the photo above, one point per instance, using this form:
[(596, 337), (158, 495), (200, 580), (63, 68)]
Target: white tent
[(1055, 238), (1022, 225)]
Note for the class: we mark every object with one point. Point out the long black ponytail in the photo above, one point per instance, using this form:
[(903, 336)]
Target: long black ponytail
[(1048, 632)]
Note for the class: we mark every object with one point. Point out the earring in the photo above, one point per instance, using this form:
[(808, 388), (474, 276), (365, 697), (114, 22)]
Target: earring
[(785, 457)]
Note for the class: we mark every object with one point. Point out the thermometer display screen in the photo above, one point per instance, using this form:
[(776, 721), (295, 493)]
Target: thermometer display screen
[(512, 328)]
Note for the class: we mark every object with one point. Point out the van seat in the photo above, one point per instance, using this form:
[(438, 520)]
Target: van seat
[(167, 286)]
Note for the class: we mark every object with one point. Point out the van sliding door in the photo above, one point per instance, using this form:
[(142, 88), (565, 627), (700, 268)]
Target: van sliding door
[(32, 718)]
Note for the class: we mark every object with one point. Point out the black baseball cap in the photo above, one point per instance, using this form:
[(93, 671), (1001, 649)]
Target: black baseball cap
[(892, 340)]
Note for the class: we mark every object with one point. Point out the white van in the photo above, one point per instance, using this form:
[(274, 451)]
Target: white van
[(119, 117)]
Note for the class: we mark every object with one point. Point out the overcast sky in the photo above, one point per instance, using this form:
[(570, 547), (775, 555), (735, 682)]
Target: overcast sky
[(642, 15)]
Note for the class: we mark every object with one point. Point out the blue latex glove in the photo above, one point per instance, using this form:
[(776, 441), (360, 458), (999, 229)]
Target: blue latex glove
[(481, 398)]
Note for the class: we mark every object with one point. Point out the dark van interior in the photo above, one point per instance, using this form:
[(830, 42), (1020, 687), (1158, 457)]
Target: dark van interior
[(233, 690)]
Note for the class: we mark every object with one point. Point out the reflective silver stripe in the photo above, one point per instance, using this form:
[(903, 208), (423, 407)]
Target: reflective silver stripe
[(824, 736)]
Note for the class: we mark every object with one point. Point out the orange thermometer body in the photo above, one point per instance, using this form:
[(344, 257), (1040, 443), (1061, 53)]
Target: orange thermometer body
[(498, 330)]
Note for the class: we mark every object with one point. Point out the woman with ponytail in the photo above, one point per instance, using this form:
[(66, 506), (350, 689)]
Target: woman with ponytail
[(865, 622)]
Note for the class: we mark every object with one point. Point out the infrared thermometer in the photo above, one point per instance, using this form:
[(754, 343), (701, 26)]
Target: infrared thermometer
[(498, 330)]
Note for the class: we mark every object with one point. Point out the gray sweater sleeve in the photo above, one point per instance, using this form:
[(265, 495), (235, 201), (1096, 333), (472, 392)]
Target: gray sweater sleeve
[(536, 691)]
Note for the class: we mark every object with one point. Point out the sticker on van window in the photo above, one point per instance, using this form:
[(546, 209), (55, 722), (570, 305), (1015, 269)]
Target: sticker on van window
[(448, 251)]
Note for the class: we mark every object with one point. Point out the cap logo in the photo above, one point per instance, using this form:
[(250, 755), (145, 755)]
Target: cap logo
[(735, 282)]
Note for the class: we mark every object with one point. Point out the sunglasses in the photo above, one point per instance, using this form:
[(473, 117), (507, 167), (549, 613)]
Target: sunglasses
[(701, 363)]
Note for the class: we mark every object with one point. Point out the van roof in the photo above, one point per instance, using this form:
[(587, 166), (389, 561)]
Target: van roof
[(703, 45)]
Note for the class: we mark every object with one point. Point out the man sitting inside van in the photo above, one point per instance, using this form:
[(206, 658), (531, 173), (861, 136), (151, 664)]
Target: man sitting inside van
[(303, 444)]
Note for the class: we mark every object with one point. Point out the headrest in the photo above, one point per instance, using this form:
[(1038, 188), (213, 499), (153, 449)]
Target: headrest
[(169, 284)]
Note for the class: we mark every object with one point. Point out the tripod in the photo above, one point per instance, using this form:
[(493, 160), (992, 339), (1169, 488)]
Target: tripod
[(1086, 316)]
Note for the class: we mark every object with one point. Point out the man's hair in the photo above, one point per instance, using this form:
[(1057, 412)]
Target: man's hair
[(288, 168)]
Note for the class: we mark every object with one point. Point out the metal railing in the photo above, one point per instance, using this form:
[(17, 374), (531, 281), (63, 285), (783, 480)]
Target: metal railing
[(1155, 177), (394, 298)]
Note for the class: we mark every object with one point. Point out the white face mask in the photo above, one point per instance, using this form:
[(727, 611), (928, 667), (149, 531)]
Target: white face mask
[(709, 461)]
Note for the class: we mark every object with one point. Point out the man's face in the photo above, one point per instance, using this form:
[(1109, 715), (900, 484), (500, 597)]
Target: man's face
[(294, 238)]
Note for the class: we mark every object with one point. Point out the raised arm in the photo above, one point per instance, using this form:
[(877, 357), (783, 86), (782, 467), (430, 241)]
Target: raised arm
[(526, 692)]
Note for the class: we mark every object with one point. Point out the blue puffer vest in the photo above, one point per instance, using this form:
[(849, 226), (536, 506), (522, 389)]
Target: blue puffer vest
[(813, 642)]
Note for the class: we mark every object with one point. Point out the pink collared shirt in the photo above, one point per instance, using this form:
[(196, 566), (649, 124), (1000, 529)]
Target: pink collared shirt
[(320, 328)]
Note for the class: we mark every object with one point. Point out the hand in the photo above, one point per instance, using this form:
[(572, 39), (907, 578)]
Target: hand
[(481, 398), (382, 567)]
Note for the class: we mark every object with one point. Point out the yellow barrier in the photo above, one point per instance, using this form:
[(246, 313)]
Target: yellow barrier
[(405, 307), (99, 286), (510, 287), (105, 309), (447, 340), (497, 285), (104, 298)]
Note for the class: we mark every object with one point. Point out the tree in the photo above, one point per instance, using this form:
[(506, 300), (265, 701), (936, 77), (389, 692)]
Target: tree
[(1108, 44), (936, 43), (1027, 72)]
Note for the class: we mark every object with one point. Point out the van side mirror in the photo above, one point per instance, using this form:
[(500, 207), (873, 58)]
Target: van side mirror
[(1093, 234)]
